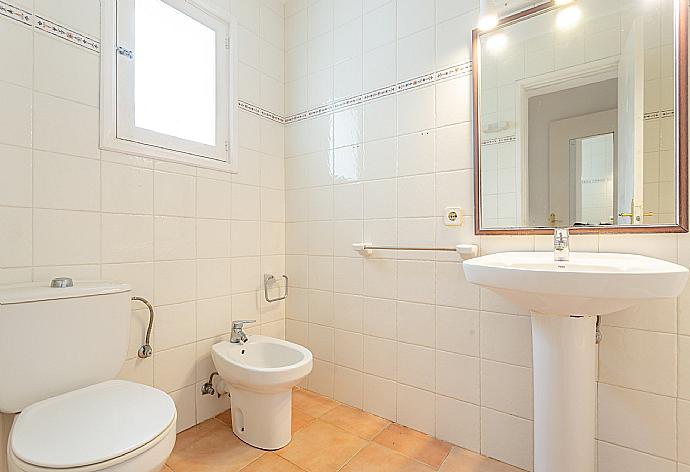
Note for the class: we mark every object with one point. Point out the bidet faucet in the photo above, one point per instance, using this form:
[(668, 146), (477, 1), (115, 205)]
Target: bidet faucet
[(561, 244), (237, 335)]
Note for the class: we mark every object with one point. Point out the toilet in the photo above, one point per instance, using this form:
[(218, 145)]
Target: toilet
[(259, 375), (60, 349)]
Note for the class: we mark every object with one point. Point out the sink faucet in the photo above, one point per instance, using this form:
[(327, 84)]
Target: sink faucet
[(237, 335), (561, 240)]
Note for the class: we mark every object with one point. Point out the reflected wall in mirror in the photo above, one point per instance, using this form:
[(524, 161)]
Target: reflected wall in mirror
[(576, 118)]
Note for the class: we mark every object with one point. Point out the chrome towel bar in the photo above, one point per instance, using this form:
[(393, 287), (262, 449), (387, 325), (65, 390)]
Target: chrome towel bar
[(465, 251), (270, 279)]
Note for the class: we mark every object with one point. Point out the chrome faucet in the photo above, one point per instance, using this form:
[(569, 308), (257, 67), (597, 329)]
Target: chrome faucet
[(237, 335), (561, 244)]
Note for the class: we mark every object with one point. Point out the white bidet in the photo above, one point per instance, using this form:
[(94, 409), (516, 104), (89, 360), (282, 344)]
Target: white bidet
[(259, 375)]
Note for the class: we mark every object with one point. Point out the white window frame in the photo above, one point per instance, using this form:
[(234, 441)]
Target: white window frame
[(118, 133)]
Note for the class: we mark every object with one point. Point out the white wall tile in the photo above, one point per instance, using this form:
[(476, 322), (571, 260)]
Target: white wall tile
[(15, 176), (16, 65), (54, 130), (416, 366), (612, 458), (126, 238), (507, 388), (380, 357), (16, 237), (413, 16), (15, 116), (506, 338), (507, 438), (66, 237), (458, 376), (638, 359), (416, 409), (637, 420), (458, 422), (65, 70), (174, 368), (65, 182), (379, 26), (348, 386), (416, 55), (380, 397)]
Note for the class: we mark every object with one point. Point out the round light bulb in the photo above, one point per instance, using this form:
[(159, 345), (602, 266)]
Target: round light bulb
[(568, 17), (487, 22)]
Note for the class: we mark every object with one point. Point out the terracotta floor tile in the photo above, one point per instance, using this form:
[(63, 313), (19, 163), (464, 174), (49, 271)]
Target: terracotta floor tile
[(321, 447), (462, 460), (270, 462), (225, 417), (218, 450), (312, 403), (376, 458), (414, 444), (356, 421), (300, 419), (188, 436), (166, 469)]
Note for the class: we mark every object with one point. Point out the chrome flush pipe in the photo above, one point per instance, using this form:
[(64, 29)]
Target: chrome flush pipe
[(146, 350)]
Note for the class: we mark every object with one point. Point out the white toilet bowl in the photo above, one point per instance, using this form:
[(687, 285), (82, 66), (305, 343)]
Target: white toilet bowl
[(259, 375), (113, 426)]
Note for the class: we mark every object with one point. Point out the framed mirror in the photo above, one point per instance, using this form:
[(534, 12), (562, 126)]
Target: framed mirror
[(580, 118)]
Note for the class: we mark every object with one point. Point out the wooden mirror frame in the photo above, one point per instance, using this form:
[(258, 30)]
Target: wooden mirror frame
[(681, 119)]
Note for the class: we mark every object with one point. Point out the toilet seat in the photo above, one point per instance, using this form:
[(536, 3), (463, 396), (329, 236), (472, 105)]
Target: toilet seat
[(94, 428)]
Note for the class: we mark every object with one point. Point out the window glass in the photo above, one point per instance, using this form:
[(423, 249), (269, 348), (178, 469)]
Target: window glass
[(174, 73)]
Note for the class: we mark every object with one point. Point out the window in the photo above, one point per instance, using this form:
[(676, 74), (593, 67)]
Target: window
[(168, 82)]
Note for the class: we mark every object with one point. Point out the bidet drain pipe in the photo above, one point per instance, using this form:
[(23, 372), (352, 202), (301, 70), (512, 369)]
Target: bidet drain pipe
[(146, 350)]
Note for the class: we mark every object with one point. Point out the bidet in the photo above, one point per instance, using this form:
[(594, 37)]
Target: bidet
[(259, 375)]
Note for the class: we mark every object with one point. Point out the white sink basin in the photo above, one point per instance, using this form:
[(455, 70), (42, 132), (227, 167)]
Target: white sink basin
[(563, 346), (588, 284)]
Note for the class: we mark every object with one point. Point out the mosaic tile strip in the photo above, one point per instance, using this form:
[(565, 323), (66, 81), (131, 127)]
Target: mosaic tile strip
[(501, 140), (16, 13), (657, 115), (67, 34), (448, 73), (257, 110)]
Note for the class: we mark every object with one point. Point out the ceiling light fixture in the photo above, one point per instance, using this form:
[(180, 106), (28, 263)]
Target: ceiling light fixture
[(488, 15), (568, 17)]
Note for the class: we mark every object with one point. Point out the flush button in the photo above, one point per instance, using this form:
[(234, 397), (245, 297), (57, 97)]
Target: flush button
[(61, 282)]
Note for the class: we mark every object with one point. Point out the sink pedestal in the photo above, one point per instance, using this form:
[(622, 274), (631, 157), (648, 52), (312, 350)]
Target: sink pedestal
[(563, 350)]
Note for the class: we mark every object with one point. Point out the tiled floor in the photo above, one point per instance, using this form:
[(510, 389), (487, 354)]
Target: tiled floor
[(327, 437)]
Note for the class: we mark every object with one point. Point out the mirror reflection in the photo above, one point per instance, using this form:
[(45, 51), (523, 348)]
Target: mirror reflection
[(576, 117)]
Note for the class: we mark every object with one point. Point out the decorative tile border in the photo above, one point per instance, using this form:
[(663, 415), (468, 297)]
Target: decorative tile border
[(43, 24), (15, 13), (67, 34), (501, 140), (257, 110), (431, 78), (657, 115)]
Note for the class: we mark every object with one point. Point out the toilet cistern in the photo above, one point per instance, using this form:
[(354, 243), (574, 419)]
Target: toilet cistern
[(561, 245), (237, 335)]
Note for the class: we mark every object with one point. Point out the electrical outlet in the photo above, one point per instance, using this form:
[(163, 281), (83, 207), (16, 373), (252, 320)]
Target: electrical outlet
[(453, 216)]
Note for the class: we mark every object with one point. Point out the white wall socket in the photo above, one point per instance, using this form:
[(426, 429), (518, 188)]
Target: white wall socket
[(453, 216)]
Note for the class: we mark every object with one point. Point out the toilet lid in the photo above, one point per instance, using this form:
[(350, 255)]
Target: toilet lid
[(90, 425)]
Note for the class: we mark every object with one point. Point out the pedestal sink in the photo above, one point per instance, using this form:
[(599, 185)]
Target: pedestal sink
[(564, 299)]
